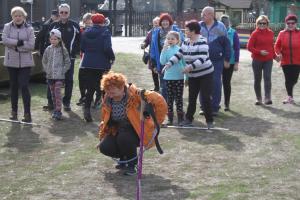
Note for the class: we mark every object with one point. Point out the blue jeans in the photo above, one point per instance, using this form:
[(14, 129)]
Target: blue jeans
[(68, 86), (217, 85)]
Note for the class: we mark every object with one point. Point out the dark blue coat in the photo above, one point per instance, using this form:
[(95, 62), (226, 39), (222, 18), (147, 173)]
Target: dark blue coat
[(96, 47)]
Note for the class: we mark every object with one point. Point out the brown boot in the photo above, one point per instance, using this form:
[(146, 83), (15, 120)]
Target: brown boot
[(27, 118), (14, 115), (180, 117)]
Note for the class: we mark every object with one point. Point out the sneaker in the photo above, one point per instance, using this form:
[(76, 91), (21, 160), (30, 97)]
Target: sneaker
[(288, 100), (48, 108), (268, 102), (258, 103), (186, 123), (130, 170), (201, 112), (210, 125), (67, 108)]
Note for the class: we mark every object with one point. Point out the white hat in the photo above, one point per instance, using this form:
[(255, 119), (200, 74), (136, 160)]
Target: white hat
[(56, 33)]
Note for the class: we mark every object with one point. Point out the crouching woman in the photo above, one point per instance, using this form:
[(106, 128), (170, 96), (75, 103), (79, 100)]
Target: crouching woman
[(120, 125)]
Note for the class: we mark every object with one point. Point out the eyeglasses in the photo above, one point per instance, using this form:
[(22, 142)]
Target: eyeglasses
[(290, 23), (262, 23), (63, 12)]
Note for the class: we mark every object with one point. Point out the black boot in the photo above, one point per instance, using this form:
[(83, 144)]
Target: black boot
[(87, 115), (170, 118), (180, 117), (14, 115), (27, 118)]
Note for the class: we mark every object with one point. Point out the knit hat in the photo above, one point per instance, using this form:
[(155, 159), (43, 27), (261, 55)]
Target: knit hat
[(98, 18), (291, 17), (165, 16), (56, 33)]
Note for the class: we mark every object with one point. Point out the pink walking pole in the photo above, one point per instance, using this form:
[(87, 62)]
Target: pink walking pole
[(141, 153)]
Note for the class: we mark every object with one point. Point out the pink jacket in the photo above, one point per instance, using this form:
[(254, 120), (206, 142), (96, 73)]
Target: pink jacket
[(22, 57)]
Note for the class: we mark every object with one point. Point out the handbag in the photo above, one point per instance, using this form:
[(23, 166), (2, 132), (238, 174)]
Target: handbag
[(146, 57)]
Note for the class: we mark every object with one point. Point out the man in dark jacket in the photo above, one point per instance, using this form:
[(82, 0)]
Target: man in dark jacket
[(70, 31), (42, 37)]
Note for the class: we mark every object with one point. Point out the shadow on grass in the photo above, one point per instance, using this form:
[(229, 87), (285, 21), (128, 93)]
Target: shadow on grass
[(71, 126), (208, 137), (23, 138), (283, 113), (251, 126), (153, 187)]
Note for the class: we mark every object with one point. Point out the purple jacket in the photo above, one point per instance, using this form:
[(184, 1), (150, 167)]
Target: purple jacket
[(18, 56)]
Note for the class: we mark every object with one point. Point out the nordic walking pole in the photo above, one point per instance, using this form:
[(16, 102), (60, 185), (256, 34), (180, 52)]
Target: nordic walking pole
[(140, 160)]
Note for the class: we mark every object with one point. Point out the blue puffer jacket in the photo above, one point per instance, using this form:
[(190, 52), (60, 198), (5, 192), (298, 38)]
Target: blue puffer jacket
[(155, 47), (97, 49)]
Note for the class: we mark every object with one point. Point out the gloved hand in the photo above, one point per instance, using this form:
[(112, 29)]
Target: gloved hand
[(20, 43)]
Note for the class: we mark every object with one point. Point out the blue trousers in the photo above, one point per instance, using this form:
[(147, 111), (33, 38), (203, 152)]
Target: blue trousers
[(68, 86), (217, 85)]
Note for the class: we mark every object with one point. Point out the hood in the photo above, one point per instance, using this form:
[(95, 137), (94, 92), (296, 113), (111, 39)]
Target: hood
[(95, 32)]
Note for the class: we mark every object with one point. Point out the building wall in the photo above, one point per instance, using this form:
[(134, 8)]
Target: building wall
[(279, 9)]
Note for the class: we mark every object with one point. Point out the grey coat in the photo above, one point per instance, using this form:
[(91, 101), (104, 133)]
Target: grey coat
[(18, 56), (56, 62)]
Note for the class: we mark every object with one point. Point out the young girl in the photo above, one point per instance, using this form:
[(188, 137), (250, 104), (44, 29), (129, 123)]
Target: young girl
[(174, 76), (56, 62)]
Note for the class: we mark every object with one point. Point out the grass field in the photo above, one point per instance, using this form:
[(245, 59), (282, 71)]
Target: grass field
[(258, 158)]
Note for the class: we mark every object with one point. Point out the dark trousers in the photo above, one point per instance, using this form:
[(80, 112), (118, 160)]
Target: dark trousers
[(68, 86), (82, 79), (226, 78), (175, 93), (155, 81), (94, 77), (123, 145), (19, 79), (264, 68), (204, 85), (291, 75)]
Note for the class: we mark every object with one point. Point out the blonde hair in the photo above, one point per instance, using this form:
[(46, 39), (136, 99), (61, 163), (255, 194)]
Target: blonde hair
[(262, 17), (18, 9), (174, 34), (86, 16)]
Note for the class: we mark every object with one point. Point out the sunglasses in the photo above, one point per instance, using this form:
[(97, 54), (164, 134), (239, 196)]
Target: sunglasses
[(290, 23), (63, 12), (262, 23)]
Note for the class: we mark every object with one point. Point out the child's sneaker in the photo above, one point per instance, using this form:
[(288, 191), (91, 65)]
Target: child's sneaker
[(288, 100), (58, 115)]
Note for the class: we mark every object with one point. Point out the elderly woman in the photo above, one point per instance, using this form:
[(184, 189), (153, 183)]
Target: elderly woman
[(18, 39), (98, 58), (287, 47), (199, 69), (120, 124), (261, 45)]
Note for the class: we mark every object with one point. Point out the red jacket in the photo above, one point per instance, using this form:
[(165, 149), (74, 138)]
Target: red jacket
[(261, 39), (288, 44)]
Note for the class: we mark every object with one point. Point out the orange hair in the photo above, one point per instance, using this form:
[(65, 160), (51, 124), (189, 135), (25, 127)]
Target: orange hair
[(113, 79)]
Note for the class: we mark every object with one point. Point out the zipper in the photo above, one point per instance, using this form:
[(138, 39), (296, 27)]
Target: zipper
[(19, 52), (291, 49)]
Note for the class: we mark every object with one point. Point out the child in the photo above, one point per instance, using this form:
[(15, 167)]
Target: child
[(174, 76), (56, 62)]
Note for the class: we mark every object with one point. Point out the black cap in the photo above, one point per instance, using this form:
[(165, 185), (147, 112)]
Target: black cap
[(54, 12)]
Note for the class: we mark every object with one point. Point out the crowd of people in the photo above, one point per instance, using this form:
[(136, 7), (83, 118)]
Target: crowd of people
[(203, 59)]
